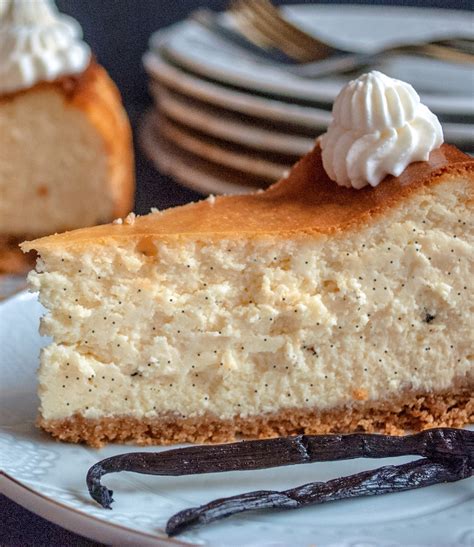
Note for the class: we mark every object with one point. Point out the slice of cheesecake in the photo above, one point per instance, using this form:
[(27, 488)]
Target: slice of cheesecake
[(309, 307), (66, 157)]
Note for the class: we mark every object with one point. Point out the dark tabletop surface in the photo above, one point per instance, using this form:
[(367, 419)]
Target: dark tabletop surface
[(128, 24), (19, 527)]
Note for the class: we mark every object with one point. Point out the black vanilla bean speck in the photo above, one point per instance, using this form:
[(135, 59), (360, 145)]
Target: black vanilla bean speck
[(439, 445)]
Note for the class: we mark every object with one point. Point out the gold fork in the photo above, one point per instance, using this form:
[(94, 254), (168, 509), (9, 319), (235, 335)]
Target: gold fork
[(262, 24)]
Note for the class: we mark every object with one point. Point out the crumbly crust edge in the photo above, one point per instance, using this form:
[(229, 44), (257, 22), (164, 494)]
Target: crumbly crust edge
[(410, 413)]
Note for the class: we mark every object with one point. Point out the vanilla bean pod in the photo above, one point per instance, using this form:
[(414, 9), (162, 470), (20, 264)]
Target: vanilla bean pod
[(436, 444), (384, 480)]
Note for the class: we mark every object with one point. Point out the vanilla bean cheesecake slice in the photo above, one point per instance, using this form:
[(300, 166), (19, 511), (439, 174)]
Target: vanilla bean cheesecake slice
[(337, 300), (66, 156)]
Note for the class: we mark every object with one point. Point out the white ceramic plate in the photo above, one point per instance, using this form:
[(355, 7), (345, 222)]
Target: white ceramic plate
[(47, 477), (165, 74), (237, 101), (11, 284), (445, 87), (219, 154), (220, 124), (185, 169)]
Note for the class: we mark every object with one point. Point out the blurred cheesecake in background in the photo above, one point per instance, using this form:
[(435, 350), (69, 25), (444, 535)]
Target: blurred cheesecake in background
[(66, 157)]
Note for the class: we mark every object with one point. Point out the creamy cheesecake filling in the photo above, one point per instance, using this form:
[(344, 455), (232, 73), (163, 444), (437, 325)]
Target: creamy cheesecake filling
[(246, 327), (54, 171)]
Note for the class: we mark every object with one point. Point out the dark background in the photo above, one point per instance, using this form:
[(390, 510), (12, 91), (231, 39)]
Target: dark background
[(118, 32)]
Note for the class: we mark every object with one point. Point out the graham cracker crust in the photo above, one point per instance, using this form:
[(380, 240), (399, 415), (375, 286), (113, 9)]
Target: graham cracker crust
[(415, 413)]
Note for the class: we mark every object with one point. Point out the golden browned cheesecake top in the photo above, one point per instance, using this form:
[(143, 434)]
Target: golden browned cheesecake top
[(306, 202)]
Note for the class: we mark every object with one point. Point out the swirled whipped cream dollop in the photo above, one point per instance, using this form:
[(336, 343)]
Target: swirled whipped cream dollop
[(37, 43), (379, 127)]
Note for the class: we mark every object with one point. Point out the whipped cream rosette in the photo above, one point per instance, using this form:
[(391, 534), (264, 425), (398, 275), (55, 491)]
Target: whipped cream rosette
[(37, 43), (379, 127)]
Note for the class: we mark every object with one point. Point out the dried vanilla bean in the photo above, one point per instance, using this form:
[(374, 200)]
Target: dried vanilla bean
[(384, 480), (437, 444)]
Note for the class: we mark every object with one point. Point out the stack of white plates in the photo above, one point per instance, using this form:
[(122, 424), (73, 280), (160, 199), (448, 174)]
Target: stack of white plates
[(225, 122)]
